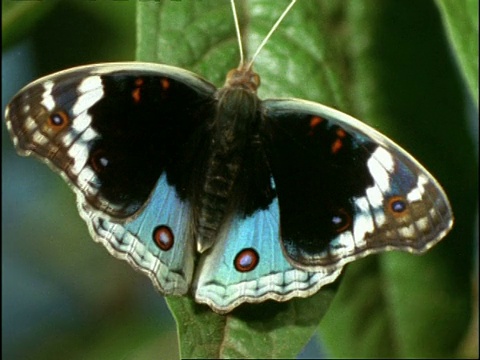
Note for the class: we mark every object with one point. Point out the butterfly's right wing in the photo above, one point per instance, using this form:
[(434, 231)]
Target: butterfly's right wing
[(346, 191)]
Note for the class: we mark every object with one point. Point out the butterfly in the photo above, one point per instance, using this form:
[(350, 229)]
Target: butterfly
[(218, 194)]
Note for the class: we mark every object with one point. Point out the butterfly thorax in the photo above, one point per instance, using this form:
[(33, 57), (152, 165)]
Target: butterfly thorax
[(237, 143)]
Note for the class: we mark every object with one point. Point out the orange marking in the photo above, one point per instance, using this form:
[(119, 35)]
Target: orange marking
[(315, 121), (136, 95), (165, 83), (336, 146)]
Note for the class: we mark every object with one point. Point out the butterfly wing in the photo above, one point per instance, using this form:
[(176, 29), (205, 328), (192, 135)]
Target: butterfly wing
[(345, 190), (156, 242), (246, 264), (112, 129), (117, 133)]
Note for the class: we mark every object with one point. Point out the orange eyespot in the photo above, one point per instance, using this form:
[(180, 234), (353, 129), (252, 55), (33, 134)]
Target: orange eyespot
[(58, 120), (397, 205)]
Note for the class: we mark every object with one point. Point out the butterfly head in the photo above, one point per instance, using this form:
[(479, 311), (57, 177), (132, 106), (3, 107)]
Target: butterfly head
[(243, 77)]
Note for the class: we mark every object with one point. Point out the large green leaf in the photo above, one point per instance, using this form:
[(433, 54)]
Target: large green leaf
[(460, 19), (267, 330)]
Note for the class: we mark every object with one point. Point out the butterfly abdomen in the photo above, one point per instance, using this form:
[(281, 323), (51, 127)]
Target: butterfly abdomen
[(235, 131), (215, 202)]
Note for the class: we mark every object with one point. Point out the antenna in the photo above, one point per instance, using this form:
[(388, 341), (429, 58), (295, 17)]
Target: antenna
[(274, 27), (237, 29)]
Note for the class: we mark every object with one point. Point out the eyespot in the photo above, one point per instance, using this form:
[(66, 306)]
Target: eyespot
[(99, 161), (163, 237), (397, 205), (58, 120), (246, 260), (341, 221)]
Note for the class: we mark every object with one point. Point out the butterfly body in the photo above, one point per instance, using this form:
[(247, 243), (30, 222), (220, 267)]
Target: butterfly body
[(235, 148), (221, 194)]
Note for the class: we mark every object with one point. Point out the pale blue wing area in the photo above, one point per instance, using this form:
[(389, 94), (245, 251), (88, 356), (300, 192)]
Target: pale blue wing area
[(221, 286), (170, 270)]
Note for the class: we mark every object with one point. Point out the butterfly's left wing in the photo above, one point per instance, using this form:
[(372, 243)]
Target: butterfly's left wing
[(118, 134), (345, 190)]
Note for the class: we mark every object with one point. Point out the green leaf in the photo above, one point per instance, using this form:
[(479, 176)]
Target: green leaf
[(461, 24), (64, 40), (268, 330), (19, 17)]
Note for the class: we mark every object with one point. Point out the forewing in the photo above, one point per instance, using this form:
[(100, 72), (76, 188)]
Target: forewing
[(345, 190)]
